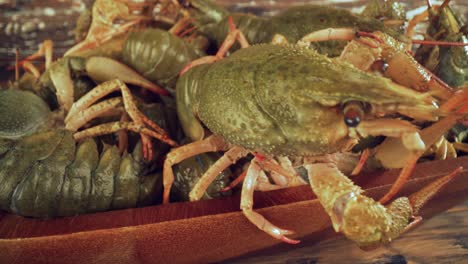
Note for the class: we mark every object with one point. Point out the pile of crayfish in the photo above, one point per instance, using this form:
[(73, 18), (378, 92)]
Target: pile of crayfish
[(145, 110)]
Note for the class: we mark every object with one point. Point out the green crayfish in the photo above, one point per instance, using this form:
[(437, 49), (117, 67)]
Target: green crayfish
[(211, 20), (277, 101)]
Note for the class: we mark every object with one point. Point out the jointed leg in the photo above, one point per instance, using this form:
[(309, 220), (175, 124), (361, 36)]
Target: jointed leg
[(81, 112), (264, 185), (123, 135), (235, 182), (45, 50), (230, 157), (180, 26), (233, 36), (362, 161), (271, 165), (210, 144), (29, 67), (342, 34), (61, 78), (283, 175), (92, 112), (113, 127), (255, 218)]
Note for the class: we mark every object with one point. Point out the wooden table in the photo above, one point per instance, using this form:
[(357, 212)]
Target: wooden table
[(442, 239)]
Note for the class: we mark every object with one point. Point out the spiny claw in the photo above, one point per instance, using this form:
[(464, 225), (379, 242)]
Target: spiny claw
[(402, 67), (362, 219)]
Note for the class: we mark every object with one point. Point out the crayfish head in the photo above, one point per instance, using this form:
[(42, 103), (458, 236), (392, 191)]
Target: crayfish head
[(390, 118)]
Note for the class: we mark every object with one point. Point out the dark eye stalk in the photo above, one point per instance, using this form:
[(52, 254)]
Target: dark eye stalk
[(353, 113)]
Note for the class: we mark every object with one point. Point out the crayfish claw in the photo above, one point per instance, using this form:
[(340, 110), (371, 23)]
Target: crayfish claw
[(360, 218)]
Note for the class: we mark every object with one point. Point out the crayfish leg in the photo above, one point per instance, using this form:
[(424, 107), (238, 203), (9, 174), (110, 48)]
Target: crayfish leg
[(45, 50), (93, 112), (60, 75), (233, 36), (235, 182), (209, 144), (29, 67), (82, 112), (402, 178), (230, 157), (255, 218)]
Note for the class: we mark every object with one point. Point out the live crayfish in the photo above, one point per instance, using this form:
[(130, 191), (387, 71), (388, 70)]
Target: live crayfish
[(296, 23), (45, 173), (62, 178), (287, 100), (448, 63), (69, 79), (211, 20), (157, 54)]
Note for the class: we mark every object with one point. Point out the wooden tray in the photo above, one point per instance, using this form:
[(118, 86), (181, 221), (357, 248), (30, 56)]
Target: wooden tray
[(205, 231)]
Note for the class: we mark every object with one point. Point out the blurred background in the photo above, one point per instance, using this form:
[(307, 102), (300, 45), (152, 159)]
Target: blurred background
[(26, 23)]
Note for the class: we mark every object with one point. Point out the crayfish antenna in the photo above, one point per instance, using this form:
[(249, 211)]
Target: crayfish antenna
[(16, 64), (444, 4), (439, 43)]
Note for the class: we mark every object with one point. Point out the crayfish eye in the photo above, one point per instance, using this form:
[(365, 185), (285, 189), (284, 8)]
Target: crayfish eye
[(380, 66), (353, 113)]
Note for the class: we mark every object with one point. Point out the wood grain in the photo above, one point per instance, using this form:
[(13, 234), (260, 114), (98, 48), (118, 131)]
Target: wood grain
[(442, 239)]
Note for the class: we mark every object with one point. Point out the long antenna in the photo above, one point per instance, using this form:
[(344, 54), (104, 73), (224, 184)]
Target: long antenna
[(16, 64)]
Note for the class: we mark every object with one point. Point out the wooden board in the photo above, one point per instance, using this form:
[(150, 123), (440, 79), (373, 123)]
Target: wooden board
[(442, 239), (206, 231)]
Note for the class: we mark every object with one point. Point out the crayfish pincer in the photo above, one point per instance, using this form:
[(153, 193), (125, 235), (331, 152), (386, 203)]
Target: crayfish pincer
[(277, 101)]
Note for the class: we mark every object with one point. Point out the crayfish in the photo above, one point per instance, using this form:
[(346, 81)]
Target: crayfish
[(82, 174), (288, 101), (211, 20)]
